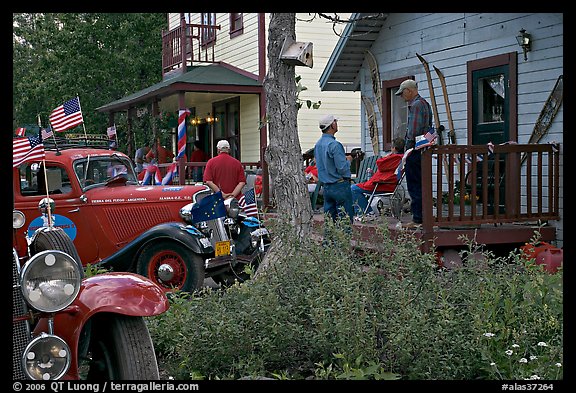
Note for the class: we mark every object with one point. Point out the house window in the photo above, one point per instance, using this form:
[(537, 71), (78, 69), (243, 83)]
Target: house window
[(236, 24), (395, 112), (492, 100), (208, 32)]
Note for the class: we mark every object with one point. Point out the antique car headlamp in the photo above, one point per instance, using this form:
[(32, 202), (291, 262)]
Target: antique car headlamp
[(47, 357), (232, 207), (50, 280), (44, 203), (186, 213), (18, 219)]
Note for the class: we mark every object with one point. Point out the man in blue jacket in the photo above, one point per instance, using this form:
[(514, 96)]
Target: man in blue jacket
[(333, 171)]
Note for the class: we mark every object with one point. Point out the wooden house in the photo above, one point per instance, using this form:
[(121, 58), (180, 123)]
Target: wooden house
[(503, 84), (214, 64)]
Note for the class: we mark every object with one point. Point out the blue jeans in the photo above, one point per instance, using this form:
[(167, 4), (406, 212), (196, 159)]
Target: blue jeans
[(336, 196), (414, 182), (359, 200)]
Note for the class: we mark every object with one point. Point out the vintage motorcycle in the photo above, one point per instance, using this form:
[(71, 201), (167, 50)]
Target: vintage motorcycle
[(239, 241)]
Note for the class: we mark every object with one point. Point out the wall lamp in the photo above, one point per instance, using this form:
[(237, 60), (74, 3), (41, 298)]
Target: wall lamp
[(525, 41)]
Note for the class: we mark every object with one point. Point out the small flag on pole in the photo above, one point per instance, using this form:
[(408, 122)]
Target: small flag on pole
[(27, 149), (426, 140), (66, 116), (111, 131), (182, 132), (20, 131), (209, 208), (248, 203), (46, 132)]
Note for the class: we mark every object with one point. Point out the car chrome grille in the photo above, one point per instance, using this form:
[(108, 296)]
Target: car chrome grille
[(218, 230), (20, 330)]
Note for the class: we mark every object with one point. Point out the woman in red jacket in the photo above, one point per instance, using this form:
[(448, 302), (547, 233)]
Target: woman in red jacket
[(386, 172)]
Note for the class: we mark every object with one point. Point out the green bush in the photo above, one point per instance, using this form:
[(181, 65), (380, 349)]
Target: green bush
[(326, 312)]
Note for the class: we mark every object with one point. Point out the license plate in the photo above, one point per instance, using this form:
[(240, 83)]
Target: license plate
[(223, 248)]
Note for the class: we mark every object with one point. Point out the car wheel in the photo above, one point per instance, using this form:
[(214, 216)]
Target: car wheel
[(228, 278), (120, 349), (172, 266), (55, 239)]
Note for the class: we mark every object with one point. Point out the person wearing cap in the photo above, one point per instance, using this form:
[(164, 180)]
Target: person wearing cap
[(419, 122), (225, 173), (333, 170)]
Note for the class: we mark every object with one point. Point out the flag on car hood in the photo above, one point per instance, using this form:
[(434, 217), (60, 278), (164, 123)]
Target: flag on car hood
[(209, 208)]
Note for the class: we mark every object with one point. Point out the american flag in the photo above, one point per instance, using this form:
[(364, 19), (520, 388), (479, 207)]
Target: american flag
[(46, 133), (248, 203), (27, 149), (426, 140), (66, 116), (20, 131)]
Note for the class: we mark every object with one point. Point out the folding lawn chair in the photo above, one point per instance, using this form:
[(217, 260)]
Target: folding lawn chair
[(396, 197)]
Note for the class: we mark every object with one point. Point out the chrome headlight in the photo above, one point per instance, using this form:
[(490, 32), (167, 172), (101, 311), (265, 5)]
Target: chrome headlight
[(232, 207), (47, 357), (186, 213), (50, 280), (18, 219), (44, 203)]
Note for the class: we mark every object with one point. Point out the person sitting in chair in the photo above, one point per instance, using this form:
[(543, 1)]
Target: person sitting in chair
[(386, 172)]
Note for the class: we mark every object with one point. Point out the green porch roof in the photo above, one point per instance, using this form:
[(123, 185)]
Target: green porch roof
[(210, 78)]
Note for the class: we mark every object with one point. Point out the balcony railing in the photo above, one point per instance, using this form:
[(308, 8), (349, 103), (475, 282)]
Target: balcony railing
[(188, 43)]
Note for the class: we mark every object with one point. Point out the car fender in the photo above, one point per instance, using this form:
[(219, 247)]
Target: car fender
[(105, 294), (124, 259)]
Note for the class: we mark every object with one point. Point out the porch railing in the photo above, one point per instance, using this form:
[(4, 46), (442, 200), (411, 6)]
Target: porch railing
[(481, 184), (188, 43)]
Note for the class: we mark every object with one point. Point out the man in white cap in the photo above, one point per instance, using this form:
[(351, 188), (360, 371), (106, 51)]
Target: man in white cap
[(419, 122), (333, 170), (225, 173)]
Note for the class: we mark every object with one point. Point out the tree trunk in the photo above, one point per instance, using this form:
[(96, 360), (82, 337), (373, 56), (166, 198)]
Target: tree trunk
[(283, 154)]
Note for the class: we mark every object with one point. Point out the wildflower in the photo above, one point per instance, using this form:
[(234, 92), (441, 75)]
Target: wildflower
[(509, 352), (532, 357), (493, 364), (515, 346), (534, 376), (523, 360), (488, 335), (542, 344), (558, 364)]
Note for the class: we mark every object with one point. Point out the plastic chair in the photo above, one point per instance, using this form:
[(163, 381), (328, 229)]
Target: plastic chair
[(367, 162), (396, 197)]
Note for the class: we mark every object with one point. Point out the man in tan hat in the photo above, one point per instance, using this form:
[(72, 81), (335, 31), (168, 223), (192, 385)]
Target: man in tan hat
[(224, 172), (333, 170), (419, 122)]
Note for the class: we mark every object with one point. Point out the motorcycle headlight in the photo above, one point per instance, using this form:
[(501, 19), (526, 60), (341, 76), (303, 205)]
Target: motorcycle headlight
[(186, 213), (18, 219), (50, 280), (47, 357), (232, 207)]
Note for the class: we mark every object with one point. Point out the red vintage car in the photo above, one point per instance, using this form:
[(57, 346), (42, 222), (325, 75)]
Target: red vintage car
[(69, 327), (113, 220)]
